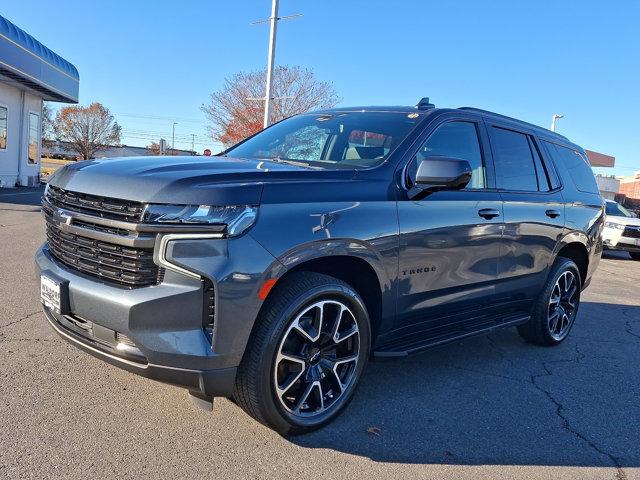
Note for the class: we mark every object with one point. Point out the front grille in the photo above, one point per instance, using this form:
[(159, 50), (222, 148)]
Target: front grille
[(113, 208), (111, 262), (631, 232)]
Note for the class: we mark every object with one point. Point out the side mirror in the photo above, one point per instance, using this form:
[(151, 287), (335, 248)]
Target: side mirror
[(441, 173)]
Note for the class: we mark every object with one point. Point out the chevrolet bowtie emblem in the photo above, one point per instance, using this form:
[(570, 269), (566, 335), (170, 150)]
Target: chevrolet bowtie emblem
[(61, 217)]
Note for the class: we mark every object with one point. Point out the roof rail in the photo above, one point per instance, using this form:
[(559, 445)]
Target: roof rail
[(538, 127)]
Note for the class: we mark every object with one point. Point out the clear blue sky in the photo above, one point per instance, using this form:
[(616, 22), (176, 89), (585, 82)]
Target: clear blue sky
[(163, 59)]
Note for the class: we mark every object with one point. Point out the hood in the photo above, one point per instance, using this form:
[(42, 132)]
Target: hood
[(185, 180)]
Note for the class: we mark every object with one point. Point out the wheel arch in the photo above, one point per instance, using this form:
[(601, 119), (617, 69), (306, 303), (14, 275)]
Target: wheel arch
[(577, 251), (351, 261)]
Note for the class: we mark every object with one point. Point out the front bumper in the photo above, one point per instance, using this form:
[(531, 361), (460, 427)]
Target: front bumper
[(614, 240), (217, 382), (164, 322)]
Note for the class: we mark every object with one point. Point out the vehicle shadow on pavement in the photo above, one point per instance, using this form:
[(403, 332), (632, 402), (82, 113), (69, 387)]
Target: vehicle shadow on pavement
[(499, 400), (26, 197), (615, 255)]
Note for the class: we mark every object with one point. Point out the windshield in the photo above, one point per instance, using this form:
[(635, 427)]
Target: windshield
[(341, 139), (616, 210)]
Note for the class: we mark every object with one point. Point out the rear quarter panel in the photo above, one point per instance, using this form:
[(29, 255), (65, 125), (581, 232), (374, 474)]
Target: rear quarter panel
[(584, 217)]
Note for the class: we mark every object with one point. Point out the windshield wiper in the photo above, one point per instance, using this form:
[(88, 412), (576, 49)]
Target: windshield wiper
[(290, 161)]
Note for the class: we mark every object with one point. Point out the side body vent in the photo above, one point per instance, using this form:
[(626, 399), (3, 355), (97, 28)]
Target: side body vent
[(208, 309)]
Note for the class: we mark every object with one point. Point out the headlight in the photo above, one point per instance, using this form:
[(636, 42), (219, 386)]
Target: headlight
[(237, 218), (617, 226)]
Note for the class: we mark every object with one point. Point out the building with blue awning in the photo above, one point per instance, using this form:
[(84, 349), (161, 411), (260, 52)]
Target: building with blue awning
[(29, 74)]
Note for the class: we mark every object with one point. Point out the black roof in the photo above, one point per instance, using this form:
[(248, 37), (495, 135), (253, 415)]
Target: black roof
[(372, 108), (545, 132)]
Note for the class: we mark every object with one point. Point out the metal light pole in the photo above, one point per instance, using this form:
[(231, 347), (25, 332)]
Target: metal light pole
[(173, 139), (270, 59), (553, 121), (273, 20)]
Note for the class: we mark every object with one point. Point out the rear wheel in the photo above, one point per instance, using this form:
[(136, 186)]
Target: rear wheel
[(635, 255), (306, 354), (556, 308)]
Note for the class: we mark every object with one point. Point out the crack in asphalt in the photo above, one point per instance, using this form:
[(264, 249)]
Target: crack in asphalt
[(489, 374), (620, 473), (628, 327), (19, 320), (599, 340), (496, 348)]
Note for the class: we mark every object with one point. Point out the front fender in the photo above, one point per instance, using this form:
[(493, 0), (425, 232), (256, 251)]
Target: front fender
[(297, 233), (348, 247)]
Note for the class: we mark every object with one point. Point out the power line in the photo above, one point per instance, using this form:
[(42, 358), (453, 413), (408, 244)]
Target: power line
[(182, 136), (158, 117), (205, 144)]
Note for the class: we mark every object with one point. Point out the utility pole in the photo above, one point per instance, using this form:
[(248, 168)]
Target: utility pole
[(193, 142), (553, 121), (271, 57), (273, 20), (173, 139)]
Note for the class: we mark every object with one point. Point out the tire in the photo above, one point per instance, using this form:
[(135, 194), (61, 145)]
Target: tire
[(544, 327), (635, 255), (271, 387)]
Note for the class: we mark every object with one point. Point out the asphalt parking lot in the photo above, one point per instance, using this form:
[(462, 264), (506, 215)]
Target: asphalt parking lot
[(489, 407)]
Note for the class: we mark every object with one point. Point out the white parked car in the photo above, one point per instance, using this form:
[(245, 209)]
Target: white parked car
[(621, 230)]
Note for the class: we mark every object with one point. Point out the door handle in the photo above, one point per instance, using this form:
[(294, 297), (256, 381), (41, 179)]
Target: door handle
[(488, 213), (552, 213)]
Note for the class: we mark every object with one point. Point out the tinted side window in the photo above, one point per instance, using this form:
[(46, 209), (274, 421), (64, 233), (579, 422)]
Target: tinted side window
[(515, 168), (457, 140), (541, 172), (578, 167)]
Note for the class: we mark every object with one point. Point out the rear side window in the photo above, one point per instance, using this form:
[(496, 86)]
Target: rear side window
[(577, 166), (541, 171), (517, 162)]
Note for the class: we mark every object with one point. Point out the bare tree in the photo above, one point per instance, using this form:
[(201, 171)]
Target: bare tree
[(87, 129), (153, 148), (234, 113)]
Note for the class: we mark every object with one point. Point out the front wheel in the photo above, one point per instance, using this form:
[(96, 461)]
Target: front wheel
[(635, 255), (556, 308), (306, 355)]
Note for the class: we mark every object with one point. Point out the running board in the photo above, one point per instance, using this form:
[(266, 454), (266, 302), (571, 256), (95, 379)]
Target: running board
[(412, 345)]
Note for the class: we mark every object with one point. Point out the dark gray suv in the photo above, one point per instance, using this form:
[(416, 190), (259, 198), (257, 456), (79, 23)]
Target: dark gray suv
[(273, 272)]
